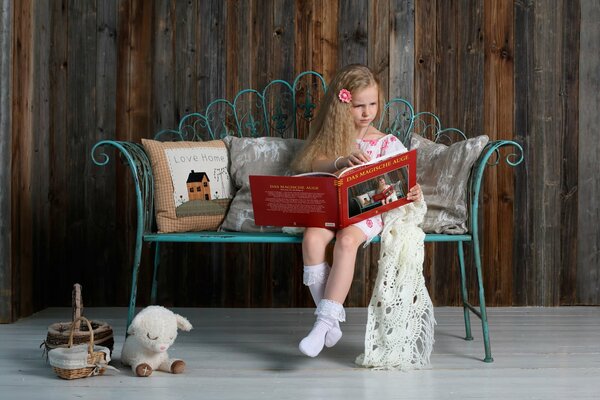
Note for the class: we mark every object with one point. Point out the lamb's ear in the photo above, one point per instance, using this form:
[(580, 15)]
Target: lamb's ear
[(134, 325), (182, 323)]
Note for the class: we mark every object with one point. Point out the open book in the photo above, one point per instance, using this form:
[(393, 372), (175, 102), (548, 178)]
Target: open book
[(333, 201)]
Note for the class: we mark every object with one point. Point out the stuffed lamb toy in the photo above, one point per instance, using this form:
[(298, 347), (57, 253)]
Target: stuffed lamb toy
[(151, 333)]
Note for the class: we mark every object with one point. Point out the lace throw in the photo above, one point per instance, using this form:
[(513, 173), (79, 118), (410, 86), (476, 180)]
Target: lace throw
[(399, 332)]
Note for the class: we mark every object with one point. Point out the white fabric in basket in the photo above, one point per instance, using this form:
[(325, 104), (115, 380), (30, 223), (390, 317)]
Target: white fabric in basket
[(74, 357)]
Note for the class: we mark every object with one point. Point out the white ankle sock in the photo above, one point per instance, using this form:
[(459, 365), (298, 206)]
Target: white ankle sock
[(328, 313), (315, 277)]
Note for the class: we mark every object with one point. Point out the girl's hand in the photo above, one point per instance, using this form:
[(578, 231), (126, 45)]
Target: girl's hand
[(356, 158), (415, 193)]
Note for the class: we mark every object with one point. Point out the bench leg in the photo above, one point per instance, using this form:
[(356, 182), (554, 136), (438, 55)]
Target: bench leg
[(463, 291), (155, 273), (482, 310), (134, 278)]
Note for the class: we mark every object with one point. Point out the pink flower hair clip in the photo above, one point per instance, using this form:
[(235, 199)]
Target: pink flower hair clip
[(345, 96)]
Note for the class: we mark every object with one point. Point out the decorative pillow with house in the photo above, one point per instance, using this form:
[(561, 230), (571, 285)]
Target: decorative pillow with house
[(192, 184)]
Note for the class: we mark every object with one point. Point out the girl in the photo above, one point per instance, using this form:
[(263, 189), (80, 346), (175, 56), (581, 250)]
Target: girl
[(341, 136)]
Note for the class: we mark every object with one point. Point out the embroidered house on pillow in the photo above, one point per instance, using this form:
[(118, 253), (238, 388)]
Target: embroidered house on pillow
[(198, 186)]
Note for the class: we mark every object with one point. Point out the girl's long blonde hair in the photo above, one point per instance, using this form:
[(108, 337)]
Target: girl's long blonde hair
[(332, 132)]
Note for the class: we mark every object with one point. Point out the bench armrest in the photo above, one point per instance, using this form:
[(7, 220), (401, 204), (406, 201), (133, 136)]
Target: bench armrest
[(141, 171), (490, 156)]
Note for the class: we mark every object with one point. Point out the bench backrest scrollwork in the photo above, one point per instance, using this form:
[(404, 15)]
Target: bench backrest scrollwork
[(284, 109)]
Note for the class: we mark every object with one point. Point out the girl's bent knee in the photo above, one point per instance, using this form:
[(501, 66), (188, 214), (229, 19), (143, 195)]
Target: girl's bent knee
[(312, 239), (348, 241)]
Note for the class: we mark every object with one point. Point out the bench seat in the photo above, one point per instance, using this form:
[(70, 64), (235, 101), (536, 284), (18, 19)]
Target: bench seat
[(265, 237)]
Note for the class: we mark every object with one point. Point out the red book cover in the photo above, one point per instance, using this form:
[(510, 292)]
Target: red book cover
[(334, 201)]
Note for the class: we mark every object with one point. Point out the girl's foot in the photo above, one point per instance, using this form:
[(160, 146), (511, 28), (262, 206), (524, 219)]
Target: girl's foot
[(333, 335), (312, 344)]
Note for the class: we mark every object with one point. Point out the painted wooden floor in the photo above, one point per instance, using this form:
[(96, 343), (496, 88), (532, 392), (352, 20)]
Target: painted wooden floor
[(540, 353)]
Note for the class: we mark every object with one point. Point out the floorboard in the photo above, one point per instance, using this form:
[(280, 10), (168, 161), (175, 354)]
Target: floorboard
[(539, 353)]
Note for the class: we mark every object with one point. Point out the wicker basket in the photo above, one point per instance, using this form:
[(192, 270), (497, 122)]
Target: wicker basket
[(79, 361), (60, 332)]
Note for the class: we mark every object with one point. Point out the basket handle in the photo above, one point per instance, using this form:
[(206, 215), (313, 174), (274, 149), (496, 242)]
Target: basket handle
[(77, 304), (91, 343)]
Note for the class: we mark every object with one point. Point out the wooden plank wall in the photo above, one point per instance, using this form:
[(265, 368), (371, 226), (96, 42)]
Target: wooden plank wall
[(585, 277), (126, 68), (6, 297)]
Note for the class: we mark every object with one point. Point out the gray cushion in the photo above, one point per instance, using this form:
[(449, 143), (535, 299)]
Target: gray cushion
[(255, 156), (443, 173)]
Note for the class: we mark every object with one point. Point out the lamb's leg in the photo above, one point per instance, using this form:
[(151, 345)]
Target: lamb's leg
[(142, 369), (172, 365)]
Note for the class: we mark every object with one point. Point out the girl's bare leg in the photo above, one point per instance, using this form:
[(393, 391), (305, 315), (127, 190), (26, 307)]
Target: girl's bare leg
[(344, 258), (316, 272), (314, 244), (330, 310)]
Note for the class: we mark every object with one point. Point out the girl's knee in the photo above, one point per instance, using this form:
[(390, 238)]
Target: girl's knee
[(314, 242), (312, 239), (348, 240)]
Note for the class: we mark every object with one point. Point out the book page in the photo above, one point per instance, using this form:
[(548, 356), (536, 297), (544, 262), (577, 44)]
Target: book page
[(376, 160), (329, 174)]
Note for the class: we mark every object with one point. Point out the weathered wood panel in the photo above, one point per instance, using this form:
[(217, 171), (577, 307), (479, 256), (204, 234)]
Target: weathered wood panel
[(58, 143), (402, 49), (523, 92), (329, 39), (211, 59), (21, 163), (353, 27), (378, 51), (444, 282), (425, 91), (425, 55), (569, 137), (211, 52), (173, 60), (546, 152), (101, 180), (81, 118), (40, 220), (588, 245), (498, 124), (134, 102), (6, 283)]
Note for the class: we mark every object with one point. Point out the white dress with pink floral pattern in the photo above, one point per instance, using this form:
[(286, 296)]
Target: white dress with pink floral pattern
[(387, 144)]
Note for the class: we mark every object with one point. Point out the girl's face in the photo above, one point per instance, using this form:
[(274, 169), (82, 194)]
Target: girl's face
[(364, 106)]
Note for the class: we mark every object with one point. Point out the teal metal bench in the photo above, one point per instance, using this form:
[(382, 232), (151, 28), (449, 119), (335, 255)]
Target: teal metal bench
[(284, 109)]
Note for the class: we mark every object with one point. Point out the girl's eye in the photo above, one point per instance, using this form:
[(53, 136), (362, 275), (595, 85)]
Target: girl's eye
[(151, 338)]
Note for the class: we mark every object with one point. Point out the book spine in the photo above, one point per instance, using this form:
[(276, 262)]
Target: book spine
[(339, 184)]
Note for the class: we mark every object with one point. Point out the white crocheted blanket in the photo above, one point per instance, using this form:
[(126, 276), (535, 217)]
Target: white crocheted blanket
[(400, 322)]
